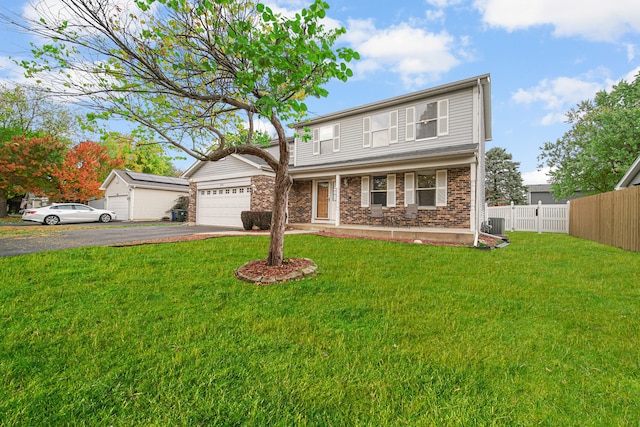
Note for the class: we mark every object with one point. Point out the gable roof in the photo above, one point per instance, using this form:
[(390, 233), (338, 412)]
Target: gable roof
[(632, 177), (253, 161), (146, 180), (483, 82)]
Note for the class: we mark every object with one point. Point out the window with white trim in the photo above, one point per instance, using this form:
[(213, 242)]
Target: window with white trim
[(426, 189), (380, 130), (379, 190), (326, 139), (427, 120), (382, 192)]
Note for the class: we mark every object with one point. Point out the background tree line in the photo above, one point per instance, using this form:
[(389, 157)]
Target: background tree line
[(38, 153)]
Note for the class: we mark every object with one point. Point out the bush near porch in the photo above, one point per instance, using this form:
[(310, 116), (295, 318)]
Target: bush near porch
[(541, 332)]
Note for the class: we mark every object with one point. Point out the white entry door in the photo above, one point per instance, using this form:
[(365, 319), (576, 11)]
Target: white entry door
[(222, 206)]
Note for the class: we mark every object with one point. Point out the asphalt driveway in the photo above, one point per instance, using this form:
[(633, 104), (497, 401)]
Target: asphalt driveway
[(100, 235)]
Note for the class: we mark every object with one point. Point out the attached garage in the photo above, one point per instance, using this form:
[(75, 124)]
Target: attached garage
[(223, 206), (222, 190)]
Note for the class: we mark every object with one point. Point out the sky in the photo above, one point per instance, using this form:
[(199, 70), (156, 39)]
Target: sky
[(544, 57)]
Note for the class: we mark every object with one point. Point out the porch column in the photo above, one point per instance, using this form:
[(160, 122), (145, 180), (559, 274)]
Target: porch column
[(337, 204)]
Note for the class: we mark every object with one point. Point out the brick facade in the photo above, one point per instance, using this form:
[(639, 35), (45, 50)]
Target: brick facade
[(455, 215), (262, 193), (300, 202)]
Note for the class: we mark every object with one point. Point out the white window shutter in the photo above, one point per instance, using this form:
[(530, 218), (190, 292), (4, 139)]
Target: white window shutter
[(366, 132), (410, 133), (443, 117), (441, 187), (364, 188), (316, 141), (409, 188), (391, 190), (336, 137), (393, 127)]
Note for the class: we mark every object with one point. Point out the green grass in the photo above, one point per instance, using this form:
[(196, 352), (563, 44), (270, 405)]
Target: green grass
[(543, 332)]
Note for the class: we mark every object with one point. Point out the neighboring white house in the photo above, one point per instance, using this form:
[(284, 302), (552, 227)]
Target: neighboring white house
[(136, 196), (632, 177)]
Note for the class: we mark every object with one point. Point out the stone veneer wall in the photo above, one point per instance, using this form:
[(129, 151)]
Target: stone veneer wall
[(455, 215), (300, 202), (193, 197), (262, 195)]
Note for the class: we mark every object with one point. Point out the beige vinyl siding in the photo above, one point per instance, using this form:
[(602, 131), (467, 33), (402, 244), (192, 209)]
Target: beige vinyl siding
[(460, 130), (117, 186), (152, 205), (229, 167)]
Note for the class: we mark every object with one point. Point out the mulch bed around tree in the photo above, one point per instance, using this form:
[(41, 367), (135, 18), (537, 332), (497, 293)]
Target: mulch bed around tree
[(260, 273)]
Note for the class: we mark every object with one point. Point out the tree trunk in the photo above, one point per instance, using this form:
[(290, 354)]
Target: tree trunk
[(280, 199), (279, 216), (3, 204)]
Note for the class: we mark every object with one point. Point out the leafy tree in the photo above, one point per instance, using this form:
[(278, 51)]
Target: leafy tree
[(146, 157), (601, 145), (503, 181), (84, 169), (193, 73), (33, 119), (27, 165), (28, 111)]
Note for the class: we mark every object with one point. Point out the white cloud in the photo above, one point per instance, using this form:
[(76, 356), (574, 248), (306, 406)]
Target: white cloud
[(631, 52), (536, 177), (416, 55), (589, 19), (560, 94)]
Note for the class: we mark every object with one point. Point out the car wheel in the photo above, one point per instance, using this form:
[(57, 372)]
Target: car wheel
[(105, 218), (52, 220)]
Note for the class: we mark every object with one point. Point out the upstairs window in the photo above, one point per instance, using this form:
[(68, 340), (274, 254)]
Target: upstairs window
[(326, 139), (380, 130), (427, 120)]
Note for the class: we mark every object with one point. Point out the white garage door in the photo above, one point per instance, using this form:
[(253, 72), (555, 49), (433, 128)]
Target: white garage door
[(222, 206), (119, 204)]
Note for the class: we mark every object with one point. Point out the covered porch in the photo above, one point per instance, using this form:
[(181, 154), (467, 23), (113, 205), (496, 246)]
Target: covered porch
[(444, 235)]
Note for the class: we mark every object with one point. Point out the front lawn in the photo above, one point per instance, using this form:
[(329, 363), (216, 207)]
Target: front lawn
[(542, 332)]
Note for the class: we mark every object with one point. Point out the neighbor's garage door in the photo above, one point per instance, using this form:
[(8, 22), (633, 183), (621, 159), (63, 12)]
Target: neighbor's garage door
[(223, 206), (119, 204)]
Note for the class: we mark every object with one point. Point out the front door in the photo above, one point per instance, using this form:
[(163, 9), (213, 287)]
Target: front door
[(322, 202)]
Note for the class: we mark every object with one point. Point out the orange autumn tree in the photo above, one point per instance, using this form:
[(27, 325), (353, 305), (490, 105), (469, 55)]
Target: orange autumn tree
[(79, 177), (27, 165)]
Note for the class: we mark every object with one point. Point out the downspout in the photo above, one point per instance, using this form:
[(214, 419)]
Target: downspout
[(131, 204), (479, 164)]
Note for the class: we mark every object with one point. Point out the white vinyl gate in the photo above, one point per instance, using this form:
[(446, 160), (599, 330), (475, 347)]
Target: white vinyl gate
[(540, 218)]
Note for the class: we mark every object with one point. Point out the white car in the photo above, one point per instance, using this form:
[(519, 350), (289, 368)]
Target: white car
[(67, 213)]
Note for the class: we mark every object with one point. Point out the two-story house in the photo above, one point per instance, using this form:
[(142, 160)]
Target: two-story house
[(406, 164)]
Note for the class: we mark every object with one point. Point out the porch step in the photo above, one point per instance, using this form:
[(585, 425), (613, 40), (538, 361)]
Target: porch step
[(445, 235)]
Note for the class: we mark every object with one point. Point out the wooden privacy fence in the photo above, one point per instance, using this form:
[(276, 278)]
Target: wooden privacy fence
[(540, 218), (611, 218)]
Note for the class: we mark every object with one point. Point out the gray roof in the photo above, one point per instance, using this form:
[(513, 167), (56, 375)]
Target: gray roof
[(412, 155), (147, 180), (632, 177)]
